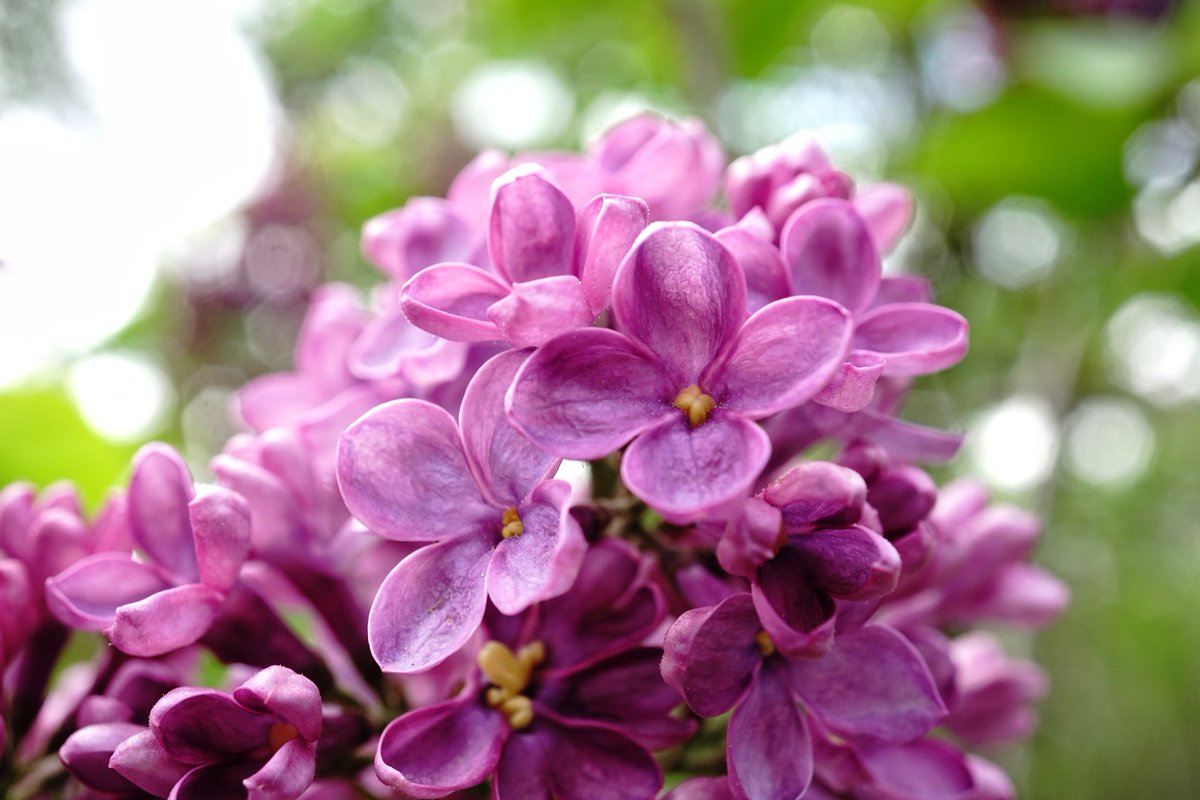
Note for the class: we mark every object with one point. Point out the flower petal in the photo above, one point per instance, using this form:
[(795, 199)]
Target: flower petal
[(710, 654), (285, 695), (87, 751), (426, 231), (585, 393), (429, 604), (402, 472), (783, 355), (829, 252), (913, 338), (852, 563), (760, 260), (199, 726), (87, 595), (286, 774), (451, 300), (541, 562), (142, 760), (532, 226), (853, 387), (439, 749), (872, 684), (160, 489), (701, 789), (796, 614), (685, 472), (165, 621), (392, 347), (220, 521), (538, 310), (769, 749), (817, 493), (680, 293), (888, 211), (921, 770), (607, 227)]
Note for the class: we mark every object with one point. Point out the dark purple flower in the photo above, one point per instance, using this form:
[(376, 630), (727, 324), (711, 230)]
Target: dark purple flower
[(685, 378), (500, 527)]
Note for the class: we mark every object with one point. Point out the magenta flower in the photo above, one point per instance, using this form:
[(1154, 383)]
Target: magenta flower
[(995, 694), (500, 528), (553, 271), (194, 546), (685, 378), (564, 703)]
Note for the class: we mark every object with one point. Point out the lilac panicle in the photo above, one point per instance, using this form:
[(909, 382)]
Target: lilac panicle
[(194, 546), (498, 526), (684, 378)]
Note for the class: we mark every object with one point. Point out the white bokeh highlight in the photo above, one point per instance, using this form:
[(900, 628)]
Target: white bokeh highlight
[(1013, 445), (1109, 442), (512, 105), (121, 395)]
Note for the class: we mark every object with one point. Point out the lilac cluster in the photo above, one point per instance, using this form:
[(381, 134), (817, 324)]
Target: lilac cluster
[(398, 584)]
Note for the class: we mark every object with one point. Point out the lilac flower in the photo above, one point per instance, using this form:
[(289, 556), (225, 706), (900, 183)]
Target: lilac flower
[(995, 694), (921, 769), (553, 271), (194, 546), (501, 528), (258, 743), (564, 704), (685, 379), (871, 687)]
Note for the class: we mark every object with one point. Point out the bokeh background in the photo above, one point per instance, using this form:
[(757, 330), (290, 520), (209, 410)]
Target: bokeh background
[(176, 178)]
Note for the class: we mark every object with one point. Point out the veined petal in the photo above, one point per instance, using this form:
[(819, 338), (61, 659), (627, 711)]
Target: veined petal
[(165, 621), (402, 472), (922, 770), (852, 388), (392, 347), (829, 252), (532, 226), (585, 393), (439, 749), (888, 211), (143, 761), (220, 522), (913, 338), (710, 654), (761, 262), (87, 595), (817, 493), (426, 231), (872, 684), (769, 749), (286, 774), (607, 227), (680, 293), (796, 614), (538, 310), (286, 696), (685, 472), (160, 489), (853, 563), (429, 604), (451, 300), (543, 560), (199, 726), (783, 355)]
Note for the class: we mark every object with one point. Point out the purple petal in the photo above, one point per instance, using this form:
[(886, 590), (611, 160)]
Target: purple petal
[(702, 789), (159, 492), (392, 347), (223, 779), (769, 750), (436, 750), (921, 770), (587, 392), (58, 538), (761, 262), (538, 310), (908, 442), (335, 319), (710, 654), (199, 726), (451, 300), (276, 518), (783, 355), (532, 226), (429, 604), (606, 229), (87, 595), (991, 783), (829, 252), (851, 563), (681, 294), (543, 561), (470, 191), (872, 684), (143, 762), (853, 387), (750, 538), (913, 338), (277, 399), (426, 231), (796, 614), (285, 695), (817, 493), (888, 211), (559, 759), (286, 775), (685, 471), (165, 621), (903, 289), (402, 472), (220, 522), (87, 751), (506, 464)]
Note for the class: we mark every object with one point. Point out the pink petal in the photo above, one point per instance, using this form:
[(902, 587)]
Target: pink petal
[(451, 300), (532, 226), (829, 252), (606, 230), (439, 749), (426, 231), (286, 696), (888, 211), (686, 472), (782, 356), (165, 621), (903, 289), (587, 392), (761, 262), (142, 760), (538, 310), (913, 338), (710, 654), (852, 388), (286, 774), (402, 472), (159, 492), (87, 595), (769, 749), (87, 751), (471, 190), (335, 319), (429, 604), (221, 525), (680, 293), (198, 726), (542, 562), (392, 347), (921, 770)]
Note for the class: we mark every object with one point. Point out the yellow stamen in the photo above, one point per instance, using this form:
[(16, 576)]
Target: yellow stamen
[(509, 675), (280, 734), (765, 645), (695, 404), (512, 524)]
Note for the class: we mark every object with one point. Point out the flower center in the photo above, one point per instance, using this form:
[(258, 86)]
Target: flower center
[(509, 674), (695, 404), (512, 524), (765, 645), (281, 733)]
